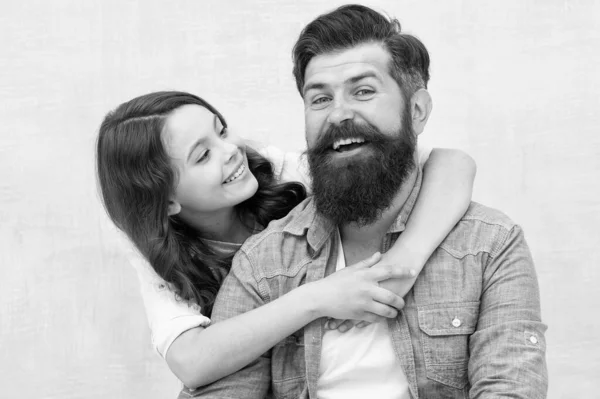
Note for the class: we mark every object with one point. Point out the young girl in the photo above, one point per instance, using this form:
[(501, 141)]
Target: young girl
[(168, 183)]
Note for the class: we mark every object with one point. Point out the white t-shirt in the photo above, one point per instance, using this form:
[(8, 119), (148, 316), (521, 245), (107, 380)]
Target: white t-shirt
[(360, 363), (168, 316)]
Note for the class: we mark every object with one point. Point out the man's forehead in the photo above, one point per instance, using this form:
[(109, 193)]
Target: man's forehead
[(366, 57)]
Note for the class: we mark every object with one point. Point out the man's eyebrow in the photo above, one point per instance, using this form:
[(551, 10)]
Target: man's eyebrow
[(352, 80), (362, 76), (313, 86), (201, 140)]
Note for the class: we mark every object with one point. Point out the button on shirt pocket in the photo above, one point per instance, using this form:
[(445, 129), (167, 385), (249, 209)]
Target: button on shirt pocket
[(445, 338)]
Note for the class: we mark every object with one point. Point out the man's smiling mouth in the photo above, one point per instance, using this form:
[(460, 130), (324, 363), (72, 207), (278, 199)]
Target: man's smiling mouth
[(343, 145)]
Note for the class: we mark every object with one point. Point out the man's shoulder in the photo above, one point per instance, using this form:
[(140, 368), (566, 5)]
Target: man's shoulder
[(481, 229), (478, 214)]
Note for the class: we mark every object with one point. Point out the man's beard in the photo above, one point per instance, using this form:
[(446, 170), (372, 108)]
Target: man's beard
[(359, 188)]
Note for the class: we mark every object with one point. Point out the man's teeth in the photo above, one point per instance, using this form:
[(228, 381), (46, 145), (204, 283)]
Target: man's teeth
[(339, 143), (236, 174)]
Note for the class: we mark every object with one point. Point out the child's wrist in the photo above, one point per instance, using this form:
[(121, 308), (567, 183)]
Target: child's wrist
[(308, 295)]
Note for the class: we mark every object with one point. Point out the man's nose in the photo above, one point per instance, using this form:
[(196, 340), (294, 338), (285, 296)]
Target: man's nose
[(341, 112)]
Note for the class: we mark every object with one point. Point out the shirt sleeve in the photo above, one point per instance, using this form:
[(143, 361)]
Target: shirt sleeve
[(239, 294), (168, 316), (508, 349)]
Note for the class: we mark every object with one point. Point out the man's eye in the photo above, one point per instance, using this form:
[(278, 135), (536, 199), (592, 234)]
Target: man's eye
[(364, 92), (203, 157), (320, 100)]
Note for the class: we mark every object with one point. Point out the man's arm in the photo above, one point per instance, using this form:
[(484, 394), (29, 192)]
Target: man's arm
[(508, 349), (239, 294)]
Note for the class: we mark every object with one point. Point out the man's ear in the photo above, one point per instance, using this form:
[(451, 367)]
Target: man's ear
[(420, 109), (174, 208)]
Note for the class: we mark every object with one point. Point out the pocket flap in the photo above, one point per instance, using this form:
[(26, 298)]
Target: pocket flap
[(449, 318)]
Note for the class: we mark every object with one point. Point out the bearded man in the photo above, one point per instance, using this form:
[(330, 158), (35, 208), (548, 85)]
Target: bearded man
[(471, 326)]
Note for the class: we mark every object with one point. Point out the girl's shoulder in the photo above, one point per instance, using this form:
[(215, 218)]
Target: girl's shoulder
[(288, 166), (423, 153)]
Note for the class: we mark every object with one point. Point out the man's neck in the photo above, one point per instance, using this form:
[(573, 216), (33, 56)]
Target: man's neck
[(360, 242)]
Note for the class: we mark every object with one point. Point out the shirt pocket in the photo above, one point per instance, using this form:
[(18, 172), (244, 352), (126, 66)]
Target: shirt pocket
[(446, 329), (288, 369)]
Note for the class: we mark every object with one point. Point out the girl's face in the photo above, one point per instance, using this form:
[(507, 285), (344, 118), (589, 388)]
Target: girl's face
[(211, 163)]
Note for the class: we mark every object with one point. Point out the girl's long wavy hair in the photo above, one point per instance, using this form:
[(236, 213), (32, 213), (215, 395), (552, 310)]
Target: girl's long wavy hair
[(136, 181)]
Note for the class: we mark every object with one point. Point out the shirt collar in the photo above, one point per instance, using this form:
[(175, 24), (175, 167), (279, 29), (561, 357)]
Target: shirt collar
[(400, 222), (318, 228)]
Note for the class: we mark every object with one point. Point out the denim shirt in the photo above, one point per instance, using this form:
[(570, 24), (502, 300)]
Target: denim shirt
[(471, 327)]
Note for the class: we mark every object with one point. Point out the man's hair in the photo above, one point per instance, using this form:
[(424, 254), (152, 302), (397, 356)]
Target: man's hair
[(353, 25)]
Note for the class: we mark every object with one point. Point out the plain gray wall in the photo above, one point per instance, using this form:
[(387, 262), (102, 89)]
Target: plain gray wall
[(515, 83)]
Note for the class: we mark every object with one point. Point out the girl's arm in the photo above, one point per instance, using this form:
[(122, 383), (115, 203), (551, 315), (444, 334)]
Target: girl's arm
[(444, 198), (203, 355), (446, 190)]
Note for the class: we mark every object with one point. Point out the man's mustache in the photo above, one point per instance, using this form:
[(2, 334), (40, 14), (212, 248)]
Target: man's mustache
[(346, 130)]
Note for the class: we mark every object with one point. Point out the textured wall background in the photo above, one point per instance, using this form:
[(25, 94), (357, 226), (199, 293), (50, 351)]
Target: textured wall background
[(515, 83)]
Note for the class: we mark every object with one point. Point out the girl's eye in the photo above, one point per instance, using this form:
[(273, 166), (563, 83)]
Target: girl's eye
[(224, 131), (203, 157)]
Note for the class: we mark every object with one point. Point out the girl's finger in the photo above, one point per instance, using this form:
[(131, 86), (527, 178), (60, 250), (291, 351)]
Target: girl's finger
[(370, 261), (370, 318), (382, 310), (345, 326), (330, 324), (386, 297)]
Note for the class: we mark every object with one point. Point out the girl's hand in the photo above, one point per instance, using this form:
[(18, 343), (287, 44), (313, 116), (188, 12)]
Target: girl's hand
[(354, 292)]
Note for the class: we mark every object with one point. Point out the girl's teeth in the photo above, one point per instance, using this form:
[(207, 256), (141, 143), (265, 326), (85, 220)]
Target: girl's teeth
[(236, 174)]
